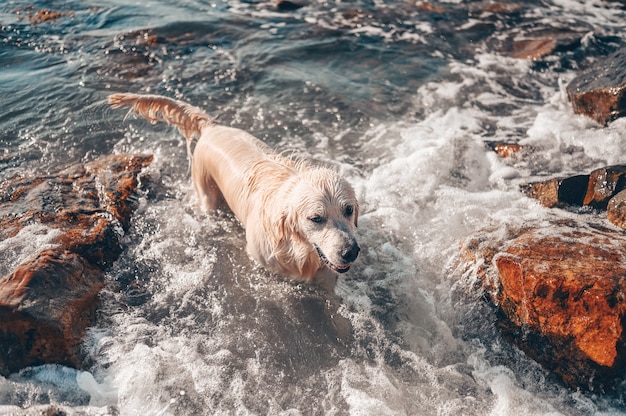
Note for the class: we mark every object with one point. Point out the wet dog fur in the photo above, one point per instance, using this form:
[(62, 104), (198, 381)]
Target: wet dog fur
[(299, 219)]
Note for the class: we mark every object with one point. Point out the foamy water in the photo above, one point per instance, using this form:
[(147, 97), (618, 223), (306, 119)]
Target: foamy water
[(189, 324)]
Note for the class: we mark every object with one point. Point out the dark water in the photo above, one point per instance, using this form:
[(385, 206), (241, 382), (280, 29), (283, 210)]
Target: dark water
[(401, 97)]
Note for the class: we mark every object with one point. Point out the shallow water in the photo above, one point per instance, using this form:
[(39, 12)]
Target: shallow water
[(401, 99)]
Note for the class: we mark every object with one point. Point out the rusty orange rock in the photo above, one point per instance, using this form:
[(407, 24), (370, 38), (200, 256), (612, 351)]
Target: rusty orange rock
[(558, 192), (602, 189), (47, 302), (561, 293), (505, 149), (45, 306), (604, 183), (616, 210), (600, 91)]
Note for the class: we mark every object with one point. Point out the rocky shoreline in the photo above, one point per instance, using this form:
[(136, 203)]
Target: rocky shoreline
[(48, 301), (558, 289)]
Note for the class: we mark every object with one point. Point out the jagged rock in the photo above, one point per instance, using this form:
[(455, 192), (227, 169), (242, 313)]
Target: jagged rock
[(616, 210), (599, 92), (560, 292), (47, 302), (562, 288), (604, 183), (559, 191), (595, 190), (45, 306)]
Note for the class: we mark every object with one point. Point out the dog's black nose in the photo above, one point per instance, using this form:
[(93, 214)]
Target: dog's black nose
[(349, 254)]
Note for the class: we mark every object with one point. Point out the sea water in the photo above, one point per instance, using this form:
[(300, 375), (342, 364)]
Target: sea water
[(398, 96)]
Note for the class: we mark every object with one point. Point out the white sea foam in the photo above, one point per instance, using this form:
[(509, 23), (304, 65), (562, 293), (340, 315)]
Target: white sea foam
[(32, 238), (441, 185), (437, 185), (212, 333), (100, 394)]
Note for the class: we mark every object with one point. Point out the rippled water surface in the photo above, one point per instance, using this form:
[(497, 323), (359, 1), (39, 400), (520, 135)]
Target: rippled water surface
[(401, 97)]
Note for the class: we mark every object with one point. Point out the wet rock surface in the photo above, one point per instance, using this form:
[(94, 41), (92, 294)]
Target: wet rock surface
[(537, 43), (594, 190), (45, 306), (616, 209), (47, 301), (145, 55), (504, 149), (599, 92), (559, 291), (559, 191), (560, 288)]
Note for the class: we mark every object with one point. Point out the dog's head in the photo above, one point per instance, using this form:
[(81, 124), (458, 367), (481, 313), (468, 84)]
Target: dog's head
[(322, 210)]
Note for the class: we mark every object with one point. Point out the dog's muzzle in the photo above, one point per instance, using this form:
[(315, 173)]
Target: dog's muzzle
[(348, 255)]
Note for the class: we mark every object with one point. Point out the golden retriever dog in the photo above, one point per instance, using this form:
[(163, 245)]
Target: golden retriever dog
[(299, 219)]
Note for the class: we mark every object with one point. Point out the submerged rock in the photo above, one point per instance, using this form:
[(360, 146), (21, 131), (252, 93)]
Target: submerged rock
[(289, 5), (47, 302), (42, 15), (599, 92), (534, 44), (504, 149), (560, 291)]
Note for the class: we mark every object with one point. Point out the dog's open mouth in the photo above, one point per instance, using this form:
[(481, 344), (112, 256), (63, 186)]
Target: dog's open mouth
[(339, 269)]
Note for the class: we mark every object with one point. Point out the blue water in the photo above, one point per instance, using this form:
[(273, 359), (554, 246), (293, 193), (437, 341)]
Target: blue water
[(399, 96)]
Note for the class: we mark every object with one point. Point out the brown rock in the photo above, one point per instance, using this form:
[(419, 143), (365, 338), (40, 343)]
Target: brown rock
[(559, 191), (599, 92), (536, 43), (45, 15), (616, 210), (76, 197), (47, 302), (594, 190), (505, 149), (430, 7), (546, 192), (45, 306), (560, 291), (604, 183), (507, 7), (42, 15), (533, 48)]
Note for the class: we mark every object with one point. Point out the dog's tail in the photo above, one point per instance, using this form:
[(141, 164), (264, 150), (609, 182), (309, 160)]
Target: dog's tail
[(190, 120)]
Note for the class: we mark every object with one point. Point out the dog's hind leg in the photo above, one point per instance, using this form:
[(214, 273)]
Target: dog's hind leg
[(207, 190)]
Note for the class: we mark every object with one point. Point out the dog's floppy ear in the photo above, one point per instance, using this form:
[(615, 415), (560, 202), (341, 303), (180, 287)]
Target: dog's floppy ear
[(281, 227), (285, 225)]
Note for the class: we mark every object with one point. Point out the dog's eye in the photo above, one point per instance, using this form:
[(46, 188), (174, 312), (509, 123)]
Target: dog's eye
[(317, 219), (348, 211)]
